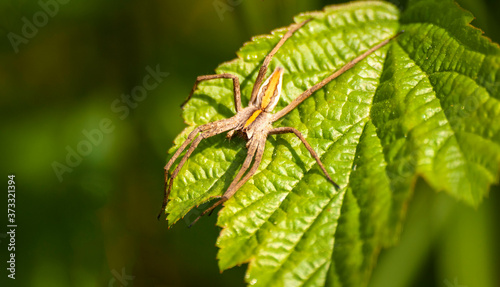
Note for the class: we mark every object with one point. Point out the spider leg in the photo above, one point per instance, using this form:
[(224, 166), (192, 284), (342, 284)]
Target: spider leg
[(236, 88), (327, 80), (268, 58), (257, 160), (208, 130), (308, 146), (258, 151)]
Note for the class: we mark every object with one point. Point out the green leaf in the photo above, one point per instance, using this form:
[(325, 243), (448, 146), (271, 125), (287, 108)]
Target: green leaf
[(426, 105)]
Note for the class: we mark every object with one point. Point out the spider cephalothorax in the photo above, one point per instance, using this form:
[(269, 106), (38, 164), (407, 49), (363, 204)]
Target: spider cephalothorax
[(257, 114)]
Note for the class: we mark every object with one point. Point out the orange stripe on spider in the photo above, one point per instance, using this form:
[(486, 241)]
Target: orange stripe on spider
[(252, 118), (271, 88)]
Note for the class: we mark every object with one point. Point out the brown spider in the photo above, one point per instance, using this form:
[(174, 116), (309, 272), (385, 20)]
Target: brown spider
[(255, 121)]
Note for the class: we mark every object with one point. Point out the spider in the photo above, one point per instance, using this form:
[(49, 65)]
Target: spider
[(253, 122)]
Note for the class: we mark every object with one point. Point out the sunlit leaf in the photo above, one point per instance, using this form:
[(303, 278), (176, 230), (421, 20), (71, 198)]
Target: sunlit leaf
[(426, 105)]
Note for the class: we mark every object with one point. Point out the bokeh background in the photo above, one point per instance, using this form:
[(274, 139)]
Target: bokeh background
[(98, 224)]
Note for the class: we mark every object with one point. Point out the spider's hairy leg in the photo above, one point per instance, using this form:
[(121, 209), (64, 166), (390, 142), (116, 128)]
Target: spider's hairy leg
[(257, 160), (328, 79), (207, 130), (269, 57), (256, 149), (285, 130), (236, 88)]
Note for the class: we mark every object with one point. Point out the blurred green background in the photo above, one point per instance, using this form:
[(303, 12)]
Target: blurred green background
[(100, 219)]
